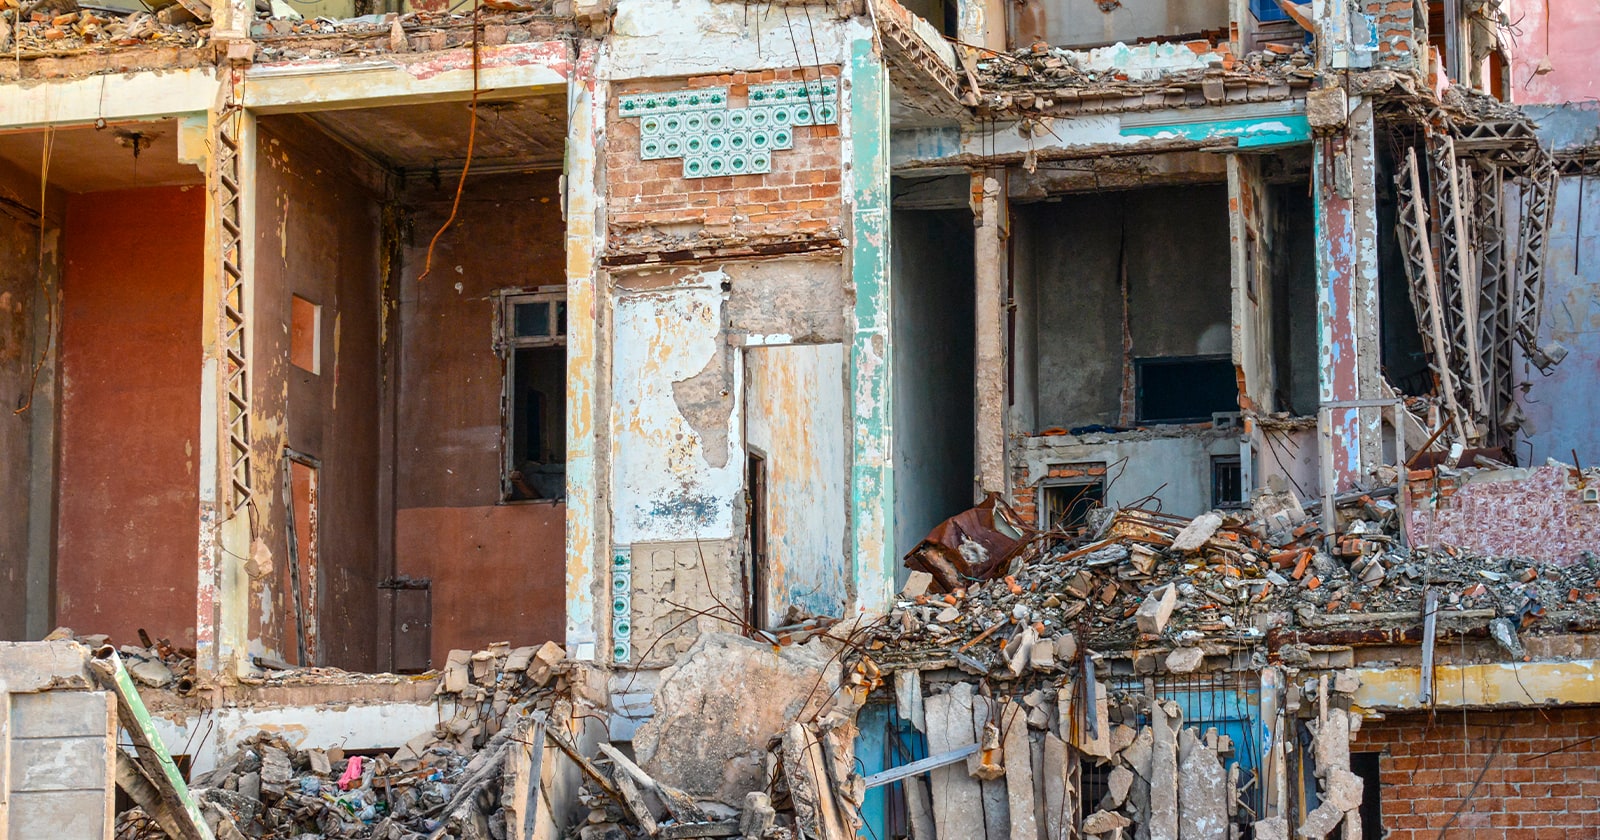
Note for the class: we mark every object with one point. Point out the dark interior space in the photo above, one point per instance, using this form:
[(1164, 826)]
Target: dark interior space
[(1294, 297), (933, 326), (1405, 363), (1116, 277)]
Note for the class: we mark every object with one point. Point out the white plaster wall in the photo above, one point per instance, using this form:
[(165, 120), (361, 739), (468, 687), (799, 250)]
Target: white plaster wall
[(663, 487), (694, 37)]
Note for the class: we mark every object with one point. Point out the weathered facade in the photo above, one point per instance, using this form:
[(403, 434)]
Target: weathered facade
[(362, 336)]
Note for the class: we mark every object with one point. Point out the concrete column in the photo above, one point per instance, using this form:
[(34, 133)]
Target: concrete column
[(989, 370), (222, 603), (871, 476), (587, 541), (1345, 187)]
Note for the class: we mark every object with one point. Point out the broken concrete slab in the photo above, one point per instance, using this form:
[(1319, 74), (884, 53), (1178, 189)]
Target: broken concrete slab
[(957, 797), (1331, 743), (1320, 822), (1118, 783), (1185, 660), (1343, 789), (1104, 822), (1163, 821), (716, 680), (1055, 787), (917, 583), (1202, 792), (1019, 771), (1019, 653), (1197, 532), (1043, 656), (1271, 828), (908, 698), (1156, 609)]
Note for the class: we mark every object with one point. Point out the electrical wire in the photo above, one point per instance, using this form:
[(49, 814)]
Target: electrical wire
[(472, 138)]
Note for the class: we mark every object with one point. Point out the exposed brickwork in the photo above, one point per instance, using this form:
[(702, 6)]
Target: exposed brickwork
[(1397, 32), (1025, 496), (651, 206), (1427, 774)]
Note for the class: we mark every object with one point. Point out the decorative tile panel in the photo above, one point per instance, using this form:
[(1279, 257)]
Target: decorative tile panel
[(622, 604), (712, 137)]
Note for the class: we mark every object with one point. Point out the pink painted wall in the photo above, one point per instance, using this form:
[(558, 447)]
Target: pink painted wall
[(1567, 31), (1538, 514)]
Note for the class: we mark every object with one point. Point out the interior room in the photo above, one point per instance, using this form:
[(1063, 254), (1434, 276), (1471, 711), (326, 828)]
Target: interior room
[(102, 249), (422, 394)]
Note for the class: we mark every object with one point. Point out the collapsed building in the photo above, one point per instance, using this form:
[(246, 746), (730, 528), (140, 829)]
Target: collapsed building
[(1260, 332)]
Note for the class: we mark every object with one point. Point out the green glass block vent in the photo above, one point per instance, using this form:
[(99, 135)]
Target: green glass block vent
[(622, 604), (711, 137)]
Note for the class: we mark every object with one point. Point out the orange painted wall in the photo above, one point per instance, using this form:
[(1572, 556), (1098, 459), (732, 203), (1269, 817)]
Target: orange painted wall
[(130, 413)]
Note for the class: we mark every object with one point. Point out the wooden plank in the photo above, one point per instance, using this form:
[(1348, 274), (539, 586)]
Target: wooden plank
[(152, 754)]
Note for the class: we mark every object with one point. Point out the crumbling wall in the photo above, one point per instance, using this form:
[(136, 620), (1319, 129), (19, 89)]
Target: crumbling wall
[(1561, 406), (130, 412), (317, 237), (1175, 466), (933, 370), (1553, 57), (678, 468), (1504, 774), (1539, 513), (1075, 24), (449, 523)]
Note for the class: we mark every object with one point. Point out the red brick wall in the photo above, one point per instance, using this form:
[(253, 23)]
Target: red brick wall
[(651, 206), (1427, 771), (1397, 35)]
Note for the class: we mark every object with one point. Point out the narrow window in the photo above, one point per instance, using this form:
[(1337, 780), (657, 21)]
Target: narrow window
[(305, 334), (1226, 482), (533, 350)]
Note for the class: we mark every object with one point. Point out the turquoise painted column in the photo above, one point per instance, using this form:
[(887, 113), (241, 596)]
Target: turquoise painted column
[(871, 474)]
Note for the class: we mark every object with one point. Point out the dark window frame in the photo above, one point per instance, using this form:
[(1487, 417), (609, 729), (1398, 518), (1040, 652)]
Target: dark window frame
[(508, 341)]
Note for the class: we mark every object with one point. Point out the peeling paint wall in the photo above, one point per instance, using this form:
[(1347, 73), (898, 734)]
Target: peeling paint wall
[(795, 416), (1561, 33), (130, 412), (498, 570), (317, 234), (1175, 467)]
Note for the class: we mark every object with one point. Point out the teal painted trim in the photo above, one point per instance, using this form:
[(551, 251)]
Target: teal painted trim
[(872, 479), (1252, 133)]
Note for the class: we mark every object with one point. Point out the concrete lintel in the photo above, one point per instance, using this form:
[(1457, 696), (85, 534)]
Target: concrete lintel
[(1254, 125), (447, 75), (1488, 685), (119, 97)]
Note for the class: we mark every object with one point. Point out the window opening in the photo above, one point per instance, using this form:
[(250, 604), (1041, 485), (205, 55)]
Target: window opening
[(1066, 505), (305, 334), (1184, 389), (532, 333), (1226, 482)]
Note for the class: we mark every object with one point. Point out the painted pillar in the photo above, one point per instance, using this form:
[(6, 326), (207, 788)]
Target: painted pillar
[(871, 477), (990, 363), (1345, 179), (586, 542), (230, 490)]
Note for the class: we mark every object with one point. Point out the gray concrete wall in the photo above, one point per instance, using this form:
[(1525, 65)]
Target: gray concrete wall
[(57, 742), (933, 369), (1175, 243), (1175, 467)]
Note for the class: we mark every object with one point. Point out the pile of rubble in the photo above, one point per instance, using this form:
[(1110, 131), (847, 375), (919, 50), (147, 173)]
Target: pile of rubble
[(285, 36), (453, 781), (1046, 79), (1033, 600), (60, 26), (153, 663)]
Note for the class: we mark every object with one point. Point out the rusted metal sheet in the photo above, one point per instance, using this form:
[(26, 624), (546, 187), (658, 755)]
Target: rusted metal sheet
[(970, 546)]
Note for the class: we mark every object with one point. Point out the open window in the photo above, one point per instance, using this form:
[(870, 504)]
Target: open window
[(533, 350)]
